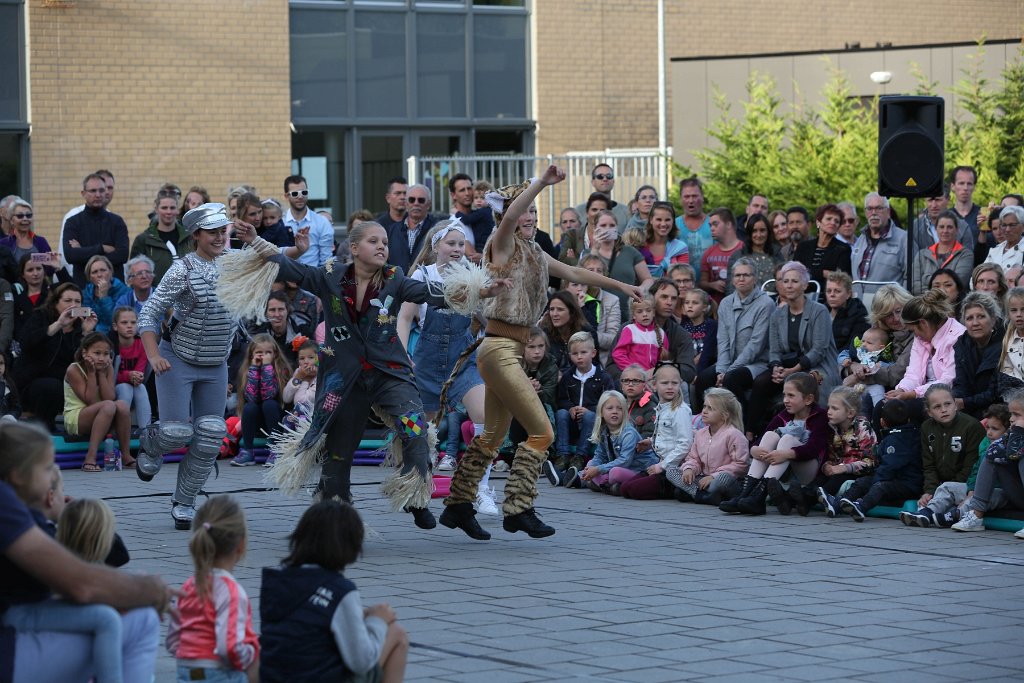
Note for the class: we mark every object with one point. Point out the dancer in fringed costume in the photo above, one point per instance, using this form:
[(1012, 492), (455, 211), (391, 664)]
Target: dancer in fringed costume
[(363, 364), (510, 315)]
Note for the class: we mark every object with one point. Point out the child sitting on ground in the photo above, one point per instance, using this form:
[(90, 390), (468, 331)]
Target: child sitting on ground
[(719, 456), (618, 457), (450, 431), (673, 436), (314, 625), (641, 341), (949, 441), (578, 394), (131, 365), (262, 380), (91, 407), (643, 406), (898, 476), (851, 450), (948, 504), (542, 372), (211, 633)]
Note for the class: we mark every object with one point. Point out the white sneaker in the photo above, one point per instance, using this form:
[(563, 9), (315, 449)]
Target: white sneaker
[(446, 463), (500, 466), (485, 504), (1019, 533), (970, 522)]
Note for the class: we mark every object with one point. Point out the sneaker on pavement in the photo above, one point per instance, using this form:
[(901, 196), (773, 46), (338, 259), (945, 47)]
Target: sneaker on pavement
[(183, 516), (551, 473), (271, 459), (828, 502), (970, 522), (852, 508), (245, 458), (485, 504), (446, 463), (921, 518), (500, 466), (572, 479), (1019, 533), (946, 520)]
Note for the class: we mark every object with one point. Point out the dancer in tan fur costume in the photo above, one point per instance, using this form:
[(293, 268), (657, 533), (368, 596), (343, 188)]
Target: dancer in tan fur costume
[(510, 314)]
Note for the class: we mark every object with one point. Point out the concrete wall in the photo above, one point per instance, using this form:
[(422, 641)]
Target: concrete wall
[(183, 91)]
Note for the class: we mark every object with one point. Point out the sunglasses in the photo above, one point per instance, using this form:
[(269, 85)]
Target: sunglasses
[(22, 215), (416, 200), (298, 193), (604, 176)]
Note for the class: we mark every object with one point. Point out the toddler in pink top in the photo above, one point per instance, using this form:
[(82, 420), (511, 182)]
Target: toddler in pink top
[(642, 342)]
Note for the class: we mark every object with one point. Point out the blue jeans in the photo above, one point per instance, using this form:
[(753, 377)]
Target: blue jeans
[(453, 420), (137, 398), (34, 650), (566, 427)]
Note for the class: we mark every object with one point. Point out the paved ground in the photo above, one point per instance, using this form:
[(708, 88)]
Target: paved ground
[(643, 591)]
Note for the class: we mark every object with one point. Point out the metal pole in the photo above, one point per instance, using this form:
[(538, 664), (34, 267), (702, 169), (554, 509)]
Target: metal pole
[(910, 243), (662, 124)]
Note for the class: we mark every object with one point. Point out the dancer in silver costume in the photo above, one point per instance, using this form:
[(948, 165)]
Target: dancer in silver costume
[(189, 356)]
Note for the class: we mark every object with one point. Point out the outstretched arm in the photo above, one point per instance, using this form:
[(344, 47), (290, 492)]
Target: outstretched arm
[(501, 242), (586, 277)]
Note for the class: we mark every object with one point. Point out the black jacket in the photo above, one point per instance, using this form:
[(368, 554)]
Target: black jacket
[(93, 228), (836, 257), (43, 355), (296, 608), (900, 457), (851, 321), (481, 222), (569, 389), (975, 380)]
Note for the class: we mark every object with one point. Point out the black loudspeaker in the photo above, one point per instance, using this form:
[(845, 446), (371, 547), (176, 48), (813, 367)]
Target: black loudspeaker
[(911, 146)]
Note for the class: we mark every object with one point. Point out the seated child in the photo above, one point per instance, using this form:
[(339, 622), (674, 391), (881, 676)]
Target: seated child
[(641, 341), (949, 441), (643, 406), (262, 381), (719, 456), (702, 328), (605, 304), (948, 504), (851, 450), (998, 481), (450, 430), (577, 395), (673, 436), (314, 626), (618, 457), (211, 633), (898, 475), (130, 386), (874, 351)]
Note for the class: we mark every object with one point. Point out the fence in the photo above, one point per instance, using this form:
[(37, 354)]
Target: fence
[(632, 167)]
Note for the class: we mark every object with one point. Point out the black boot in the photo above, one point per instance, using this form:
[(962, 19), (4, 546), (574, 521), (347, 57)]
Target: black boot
[(681, 495), (754, 503), (463, 516), (422, 517), (529, 522), (778, 496), (802, 501), (731, 505), (704, 497)]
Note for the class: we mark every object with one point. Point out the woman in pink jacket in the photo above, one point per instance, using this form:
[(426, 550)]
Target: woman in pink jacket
[(930, 317)]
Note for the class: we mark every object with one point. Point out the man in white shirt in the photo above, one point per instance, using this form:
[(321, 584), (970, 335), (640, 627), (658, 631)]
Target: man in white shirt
[(299, 217)]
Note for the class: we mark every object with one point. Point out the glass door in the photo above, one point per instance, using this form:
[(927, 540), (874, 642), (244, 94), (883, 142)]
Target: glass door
[(381, 157)]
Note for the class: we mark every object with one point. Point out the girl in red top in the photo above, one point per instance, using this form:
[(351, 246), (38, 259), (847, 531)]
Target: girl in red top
[(212, 628), (130, 384)]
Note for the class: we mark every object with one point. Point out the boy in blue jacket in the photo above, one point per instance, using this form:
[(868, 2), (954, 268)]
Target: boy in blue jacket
[(899, 476)]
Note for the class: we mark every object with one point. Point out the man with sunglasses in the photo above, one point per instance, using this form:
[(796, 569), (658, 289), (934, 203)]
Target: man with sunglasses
[(405, 238), (602, 179), (298, 217)]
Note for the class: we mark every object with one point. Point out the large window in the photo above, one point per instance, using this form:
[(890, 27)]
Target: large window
[(13, 112), (355, 63)]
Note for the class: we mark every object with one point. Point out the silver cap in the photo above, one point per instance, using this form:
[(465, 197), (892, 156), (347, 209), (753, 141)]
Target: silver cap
[(206, 217)]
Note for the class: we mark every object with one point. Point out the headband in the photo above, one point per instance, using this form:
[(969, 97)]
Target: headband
[(455, 224)]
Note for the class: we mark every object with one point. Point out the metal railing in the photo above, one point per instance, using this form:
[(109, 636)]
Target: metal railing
[(632, 167)]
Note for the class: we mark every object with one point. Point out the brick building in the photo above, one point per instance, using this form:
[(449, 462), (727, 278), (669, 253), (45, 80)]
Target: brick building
[(220, 93)]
